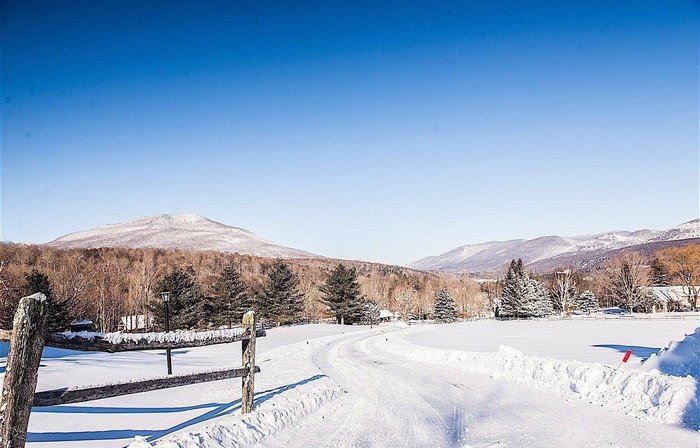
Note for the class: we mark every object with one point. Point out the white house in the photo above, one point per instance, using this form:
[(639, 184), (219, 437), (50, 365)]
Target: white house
[(673, 298)]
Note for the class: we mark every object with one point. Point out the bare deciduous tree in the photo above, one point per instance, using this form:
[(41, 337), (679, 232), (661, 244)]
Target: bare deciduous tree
[(628, 278)]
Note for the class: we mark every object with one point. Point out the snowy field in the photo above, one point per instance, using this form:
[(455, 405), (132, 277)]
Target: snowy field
[(603, 341), (448, 385)]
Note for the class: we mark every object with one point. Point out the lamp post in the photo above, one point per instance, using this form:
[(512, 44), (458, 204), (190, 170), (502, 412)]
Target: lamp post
[(165, 296)]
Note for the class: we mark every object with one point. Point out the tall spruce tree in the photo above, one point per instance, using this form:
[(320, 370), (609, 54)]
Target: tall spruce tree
[(523, 296), (586, 302), (445, 310), (57, 318), (659, 273), (514, 296), (186, 306), (279, 299), (342, 295), (231, 298), (542, 304)]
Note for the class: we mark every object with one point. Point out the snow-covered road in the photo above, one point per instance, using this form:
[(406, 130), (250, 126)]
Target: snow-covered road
[(391, 402)]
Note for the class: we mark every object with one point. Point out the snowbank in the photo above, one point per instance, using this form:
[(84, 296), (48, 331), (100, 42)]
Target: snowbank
[(678, 358), (299, 389), (648, 395), (281, 411), (173, 336)]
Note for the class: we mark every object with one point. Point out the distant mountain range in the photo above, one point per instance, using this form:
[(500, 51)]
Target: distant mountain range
[(549, 252), (193, 232), (185, 231)]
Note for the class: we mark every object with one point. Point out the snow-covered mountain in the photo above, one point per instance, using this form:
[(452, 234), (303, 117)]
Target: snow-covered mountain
[(185, 231), (494, 255)]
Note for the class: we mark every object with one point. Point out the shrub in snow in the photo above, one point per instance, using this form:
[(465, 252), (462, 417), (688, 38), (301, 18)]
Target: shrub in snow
[(444, 310)]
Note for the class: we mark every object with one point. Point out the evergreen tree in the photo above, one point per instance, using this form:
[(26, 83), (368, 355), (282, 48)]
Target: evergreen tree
[(342, 295), (514, 291), (231, 298), (370, 312), (279, 299), (57, 318), (445, 310), (659, 273), (523, 296), (186, 306), (586, 302), (541, 302)]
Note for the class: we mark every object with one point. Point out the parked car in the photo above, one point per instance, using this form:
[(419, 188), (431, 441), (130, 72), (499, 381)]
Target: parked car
[(615, 311)]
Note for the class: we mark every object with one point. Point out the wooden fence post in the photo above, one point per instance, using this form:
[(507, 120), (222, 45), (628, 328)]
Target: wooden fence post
[(248, 361), (26, 344)]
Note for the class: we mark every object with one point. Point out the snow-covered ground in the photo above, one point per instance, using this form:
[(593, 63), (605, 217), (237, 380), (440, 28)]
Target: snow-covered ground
[(604, 341), (449, 385)]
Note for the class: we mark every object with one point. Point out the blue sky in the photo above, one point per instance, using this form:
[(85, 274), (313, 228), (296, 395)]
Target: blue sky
[(383, 132)]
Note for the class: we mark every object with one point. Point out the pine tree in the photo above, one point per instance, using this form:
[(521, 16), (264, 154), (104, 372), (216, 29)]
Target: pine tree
[(58, 318), (370, 312), (541, 302), (514, 291), (586, 302), (445, 310), (659, 273), (186, 307), (523, 296), (231, 298), (279, 299), (342, 295)]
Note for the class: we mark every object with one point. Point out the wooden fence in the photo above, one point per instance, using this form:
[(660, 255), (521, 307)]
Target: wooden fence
[(28, 338)]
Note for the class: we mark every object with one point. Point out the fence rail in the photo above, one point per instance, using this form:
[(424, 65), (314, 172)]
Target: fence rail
[(79, 394)]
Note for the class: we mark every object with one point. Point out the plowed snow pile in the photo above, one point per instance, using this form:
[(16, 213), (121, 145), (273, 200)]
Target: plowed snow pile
[(648, 395), (678, 358)]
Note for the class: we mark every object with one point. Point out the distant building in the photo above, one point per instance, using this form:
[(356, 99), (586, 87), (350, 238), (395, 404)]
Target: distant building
[(82, 325), (674, 298), (135, 322), (386, 316)]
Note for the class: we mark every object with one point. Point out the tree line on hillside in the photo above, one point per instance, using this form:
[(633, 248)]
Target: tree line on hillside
[(213, 289), (104, 285), (625, 282)]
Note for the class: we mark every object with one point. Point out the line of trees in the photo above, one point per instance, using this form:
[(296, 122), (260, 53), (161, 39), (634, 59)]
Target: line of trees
[(213, 289), (624, 281)]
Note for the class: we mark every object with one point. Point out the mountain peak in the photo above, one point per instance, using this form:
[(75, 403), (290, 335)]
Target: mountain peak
[(185, 231)]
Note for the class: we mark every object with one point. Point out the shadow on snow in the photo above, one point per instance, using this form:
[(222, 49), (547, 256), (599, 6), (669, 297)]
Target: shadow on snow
[(637, 350), (217, 410)]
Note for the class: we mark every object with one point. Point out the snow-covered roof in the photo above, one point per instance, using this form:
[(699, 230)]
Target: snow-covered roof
[(673, 293), (385, 313), (82, 322)]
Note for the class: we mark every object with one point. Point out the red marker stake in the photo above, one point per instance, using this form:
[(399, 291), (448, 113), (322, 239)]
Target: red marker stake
[(628, 353)]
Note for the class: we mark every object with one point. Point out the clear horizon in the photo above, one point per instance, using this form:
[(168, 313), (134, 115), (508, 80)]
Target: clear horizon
[(364, 132)]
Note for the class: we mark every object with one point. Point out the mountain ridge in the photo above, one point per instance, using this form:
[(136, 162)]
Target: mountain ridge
[(177, 231), (493, 255)]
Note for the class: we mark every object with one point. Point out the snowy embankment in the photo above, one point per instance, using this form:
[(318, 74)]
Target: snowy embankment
[(276, 408), (647, 395), (245, 430), (679, 358)]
